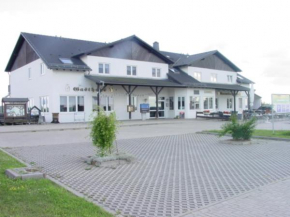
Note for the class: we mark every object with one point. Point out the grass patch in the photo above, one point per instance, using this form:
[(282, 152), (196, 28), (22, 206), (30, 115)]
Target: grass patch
[(285, 134), (34, 198)]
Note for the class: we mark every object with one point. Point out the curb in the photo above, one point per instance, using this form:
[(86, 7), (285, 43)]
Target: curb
[(81, 128), (254, 137), (63, 186)]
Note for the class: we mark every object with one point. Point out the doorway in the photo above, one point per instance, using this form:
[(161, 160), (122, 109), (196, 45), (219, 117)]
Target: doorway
[(161, 106)]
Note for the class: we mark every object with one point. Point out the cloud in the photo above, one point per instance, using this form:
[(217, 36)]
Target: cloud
[(278, 66)]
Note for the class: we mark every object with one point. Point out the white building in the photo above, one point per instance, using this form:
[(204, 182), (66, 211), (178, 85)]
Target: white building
[(64, 76)]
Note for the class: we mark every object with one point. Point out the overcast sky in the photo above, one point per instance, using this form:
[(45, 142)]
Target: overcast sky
[(254, 35)]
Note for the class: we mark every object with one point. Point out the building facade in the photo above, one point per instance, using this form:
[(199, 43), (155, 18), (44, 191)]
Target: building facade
[(73, 77)]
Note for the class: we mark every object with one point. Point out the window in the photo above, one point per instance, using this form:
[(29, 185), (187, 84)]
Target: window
[(197, 76), (213, 77), (44, 104), (194, 102), (156, 72), (29, 73), (63, 104), (104, 68), (42, 69), (106, 103), (72, 104), (81, 103), (246, 103), (230, 79), (66, 60), (196, 92), (208, 103), (216, 103), (181, 103), (131, 70), (171, 103), (133, 101), (229, 103), (240, 103)]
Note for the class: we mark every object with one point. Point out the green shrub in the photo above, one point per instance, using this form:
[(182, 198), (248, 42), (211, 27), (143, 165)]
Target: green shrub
[(103, 132), (239, 131)]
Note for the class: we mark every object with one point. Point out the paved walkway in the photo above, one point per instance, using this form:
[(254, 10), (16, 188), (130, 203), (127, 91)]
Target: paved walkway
[(270, 200), (173, 175), (202, 123)]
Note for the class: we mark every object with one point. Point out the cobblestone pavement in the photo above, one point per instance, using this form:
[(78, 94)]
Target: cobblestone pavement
[(172, 175), (270, 200)]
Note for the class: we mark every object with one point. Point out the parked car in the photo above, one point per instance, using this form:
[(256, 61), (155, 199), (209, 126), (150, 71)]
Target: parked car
[(264, 110)]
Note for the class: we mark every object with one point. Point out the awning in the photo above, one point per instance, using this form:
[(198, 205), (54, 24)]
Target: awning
[(109, 80)]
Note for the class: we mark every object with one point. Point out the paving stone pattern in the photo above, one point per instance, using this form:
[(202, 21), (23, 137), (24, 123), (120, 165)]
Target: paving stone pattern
[(270, 200), (172, 174)]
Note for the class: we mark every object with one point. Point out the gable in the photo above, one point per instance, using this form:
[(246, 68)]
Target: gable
[(128, 50), (213, 62), (24, 56)]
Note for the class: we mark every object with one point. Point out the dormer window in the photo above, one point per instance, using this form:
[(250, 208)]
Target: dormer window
[(197, 76), (230, 79), (104, 68), (132, 70), (156, 72), (213, 77), (66, 60)]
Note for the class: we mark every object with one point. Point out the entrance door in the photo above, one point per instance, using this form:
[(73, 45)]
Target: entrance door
[(161, 106)]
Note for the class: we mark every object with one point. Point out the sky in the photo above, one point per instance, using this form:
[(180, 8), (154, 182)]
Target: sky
[(253, 34)]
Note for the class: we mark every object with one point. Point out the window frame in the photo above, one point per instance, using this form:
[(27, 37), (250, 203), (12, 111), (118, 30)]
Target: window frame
[(134, 101), (68, 103), (229, 103), (156, 72), (29, 73), (209, 101), (104, 68), (240, 103), (131, 70), (230, 79), (193, 102), (213, 77), (196, 77), (181, 105), (171, 103), (46, 98), (42, 69)]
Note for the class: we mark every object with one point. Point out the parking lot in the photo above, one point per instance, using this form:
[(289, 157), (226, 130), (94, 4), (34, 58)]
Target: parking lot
[(176, 172)]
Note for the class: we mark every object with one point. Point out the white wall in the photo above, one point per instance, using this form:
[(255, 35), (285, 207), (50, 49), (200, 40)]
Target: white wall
[(206, 74), (38, 85), (118, 67)]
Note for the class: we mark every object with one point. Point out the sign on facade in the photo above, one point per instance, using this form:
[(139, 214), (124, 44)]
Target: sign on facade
[(281, 103)]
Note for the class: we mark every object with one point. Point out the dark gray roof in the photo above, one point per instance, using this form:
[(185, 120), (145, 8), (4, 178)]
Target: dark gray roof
[(243, 80), (15, 99), (186, 60), (173, 56), (51, 48), (189, 59), (181, 77), (135, 38), (133, 81)]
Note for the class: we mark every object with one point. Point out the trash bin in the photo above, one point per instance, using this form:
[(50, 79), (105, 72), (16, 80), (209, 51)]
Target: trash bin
[(240, 116), (55, 118), (181, 115)]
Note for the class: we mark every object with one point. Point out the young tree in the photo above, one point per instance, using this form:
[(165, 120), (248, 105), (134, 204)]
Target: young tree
[(103, 132)]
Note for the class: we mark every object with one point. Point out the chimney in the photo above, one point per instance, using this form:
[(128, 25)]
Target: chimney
[(156, 45)]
